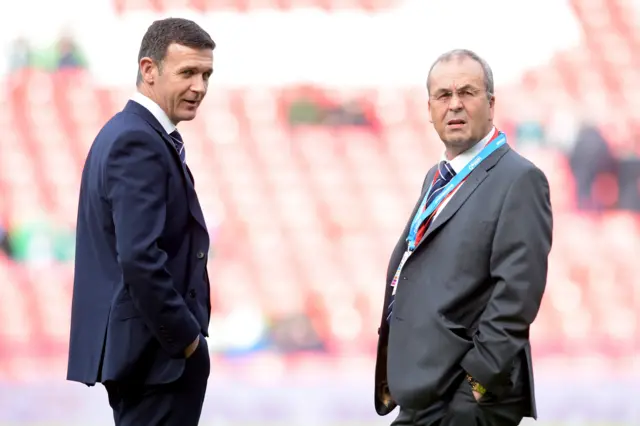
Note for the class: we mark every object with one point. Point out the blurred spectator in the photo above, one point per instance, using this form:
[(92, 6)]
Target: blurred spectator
[(20, 55), (529, 134), (241, 331), (304, 111), (69, 54), (64, 244), (5, 248), (594, 168), (294, 334), (629, 184), (629, 176), (348, 114), (65, 54), (38, 241)]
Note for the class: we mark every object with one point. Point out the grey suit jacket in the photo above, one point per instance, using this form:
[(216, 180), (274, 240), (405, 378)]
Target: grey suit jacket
[(469, 292)]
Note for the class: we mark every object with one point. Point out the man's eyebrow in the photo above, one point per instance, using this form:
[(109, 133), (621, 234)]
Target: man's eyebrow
[(467, 87), (196, 67), (441, 91)]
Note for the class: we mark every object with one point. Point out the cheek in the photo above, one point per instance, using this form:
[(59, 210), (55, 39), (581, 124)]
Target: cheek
[(437, 113), (176, 97), (480, 110)]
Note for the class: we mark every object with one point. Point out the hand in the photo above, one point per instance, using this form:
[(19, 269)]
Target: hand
[(385, 395), (476, 388), (192, 347)]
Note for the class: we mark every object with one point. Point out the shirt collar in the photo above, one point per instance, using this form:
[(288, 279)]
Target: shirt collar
[(460, 161), (155, 110)]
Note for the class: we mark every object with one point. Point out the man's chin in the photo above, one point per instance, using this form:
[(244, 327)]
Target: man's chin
[(457, 139), (188, 116)]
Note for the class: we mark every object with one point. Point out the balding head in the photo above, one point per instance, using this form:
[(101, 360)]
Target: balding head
[(461, 100), (460, 54)]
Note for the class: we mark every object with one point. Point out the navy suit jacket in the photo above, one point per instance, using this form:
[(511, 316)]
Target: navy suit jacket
[(141, 289)]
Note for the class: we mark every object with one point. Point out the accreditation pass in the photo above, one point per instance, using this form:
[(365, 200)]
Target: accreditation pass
[(396, 277)]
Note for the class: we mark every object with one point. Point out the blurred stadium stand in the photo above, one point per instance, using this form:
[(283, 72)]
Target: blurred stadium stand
[(209, 6), (335, 171)]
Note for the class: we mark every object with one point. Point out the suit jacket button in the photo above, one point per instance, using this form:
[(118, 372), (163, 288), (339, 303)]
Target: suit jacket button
[(162, 328), (192, 293), (200, 255)]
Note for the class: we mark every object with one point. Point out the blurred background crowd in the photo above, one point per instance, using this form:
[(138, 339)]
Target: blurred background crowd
[(308, 155)]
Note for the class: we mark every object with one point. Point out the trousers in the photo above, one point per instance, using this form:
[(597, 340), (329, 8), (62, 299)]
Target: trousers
[(462, 409), (172, 404)]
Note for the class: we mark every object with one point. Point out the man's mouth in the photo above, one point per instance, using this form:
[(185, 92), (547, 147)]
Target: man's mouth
[(456, 122), (193, 103)]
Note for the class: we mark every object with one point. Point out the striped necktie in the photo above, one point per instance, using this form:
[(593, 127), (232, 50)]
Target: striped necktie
[(179, 144), (444, 175)]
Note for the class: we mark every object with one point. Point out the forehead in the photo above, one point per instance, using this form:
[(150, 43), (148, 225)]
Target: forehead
[(183, 56), (456, 72)]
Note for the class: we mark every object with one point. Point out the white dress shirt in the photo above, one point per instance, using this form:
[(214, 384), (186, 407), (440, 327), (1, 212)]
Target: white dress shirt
[(155, 110), (459, 163)]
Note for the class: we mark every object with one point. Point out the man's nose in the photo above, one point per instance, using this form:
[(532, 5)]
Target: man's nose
[(199, 85), (455, 103)]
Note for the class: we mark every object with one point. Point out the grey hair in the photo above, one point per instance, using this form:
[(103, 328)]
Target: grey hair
[(465, 53)]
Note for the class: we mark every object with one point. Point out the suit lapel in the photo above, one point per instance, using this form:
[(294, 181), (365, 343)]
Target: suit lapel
[(193, 181), (194, 203), (401, 245), (464, 192), (398, 252), (176, 156), (456, 201), (196, 209)]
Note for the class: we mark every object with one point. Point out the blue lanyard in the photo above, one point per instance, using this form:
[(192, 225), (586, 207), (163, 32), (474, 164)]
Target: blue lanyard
[(423, 213)]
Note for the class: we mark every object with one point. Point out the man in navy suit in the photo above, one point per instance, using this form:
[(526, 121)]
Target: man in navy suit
[(141, 303)]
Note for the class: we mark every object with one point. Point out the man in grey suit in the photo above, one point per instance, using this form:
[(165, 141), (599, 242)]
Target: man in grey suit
[(466, 279)]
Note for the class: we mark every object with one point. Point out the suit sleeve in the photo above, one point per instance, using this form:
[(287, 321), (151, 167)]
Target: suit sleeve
[(136, 181), (518, 267)]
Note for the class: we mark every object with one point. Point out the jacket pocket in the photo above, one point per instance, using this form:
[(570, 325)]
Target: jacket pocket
[(124, 310)]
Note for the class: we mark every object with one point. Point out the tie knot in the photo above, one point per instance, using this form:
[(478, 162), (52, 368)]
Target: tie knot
[(446, 171), (176, 136)]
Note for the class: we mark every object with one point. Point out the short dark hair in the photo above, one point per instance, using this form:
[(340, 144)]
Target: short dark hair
[(165, 32)]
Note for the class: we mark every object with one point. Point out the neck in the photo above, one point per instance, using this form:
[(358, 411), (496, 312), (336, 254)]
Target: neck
[(147, 91), (453, 150), (150, 93)]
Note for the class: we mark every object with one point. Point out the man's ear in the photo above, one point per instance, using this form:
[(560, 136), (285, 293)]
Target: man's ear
[(492, 103), (148, 70)]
